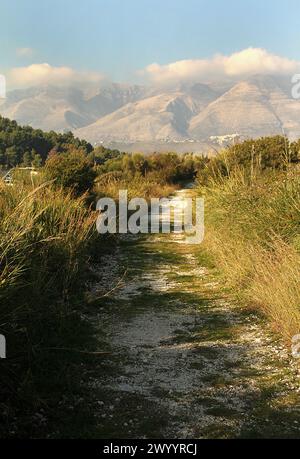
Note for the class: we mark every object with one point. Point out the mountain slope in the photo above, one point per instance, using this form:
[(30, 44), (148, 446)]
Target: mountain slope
[(60, 109), (112, 97), (157, 118), (165, 116), (244, 109), (47, 107), (256, 107)]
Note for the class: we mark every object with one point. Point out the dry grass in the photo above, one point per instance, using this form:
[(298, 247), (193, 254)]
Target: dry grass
[(275, 287), (252, 228), (34, 221)]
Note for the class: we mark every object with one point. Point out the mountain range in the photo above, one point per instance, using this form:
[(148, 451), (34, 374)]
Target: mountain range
[(182, 118)]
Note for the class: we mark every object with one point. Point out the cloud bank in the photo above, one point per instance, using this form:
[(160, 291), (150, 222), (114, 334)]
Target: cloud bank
[(241, 64), (38, 74), (244, 63)]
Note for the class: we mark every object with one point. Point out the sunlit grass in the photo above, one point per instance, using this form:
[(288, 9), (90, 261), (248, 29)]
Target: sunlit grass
[(252, 227)]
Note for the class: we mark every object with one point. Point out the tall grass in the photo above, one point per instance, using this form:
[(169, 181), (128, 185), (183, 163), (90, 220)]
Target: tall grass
[(252, 227), (47, 238), (44, 245), (35, 222)]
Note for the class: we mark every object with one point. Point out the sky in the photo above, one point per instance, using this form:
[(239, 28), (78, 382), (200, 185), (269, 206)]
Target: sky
[(133, 40)]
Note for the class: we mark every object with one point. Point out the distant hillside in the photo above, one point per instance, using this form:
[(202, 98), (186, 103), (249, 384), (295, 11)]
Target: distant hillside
[(184, 117), (60, 109)]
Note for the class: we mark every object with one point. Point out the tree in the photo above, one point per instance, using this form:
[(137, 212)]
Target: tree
[(27, 159), (12, 156), (18, 141), (71, 170), (37, 160)]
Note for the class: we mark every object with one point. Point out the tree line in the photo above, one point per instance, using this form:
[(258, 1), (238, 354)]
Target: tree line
[(27, 146)]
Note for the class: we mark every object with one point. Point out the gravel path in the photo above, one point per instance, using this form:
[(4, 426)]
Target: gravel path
[(186, 360)]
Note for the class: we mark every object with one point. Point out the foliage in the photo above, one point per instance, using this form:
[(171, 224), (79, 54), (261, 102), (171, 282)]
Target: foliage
[(159, 167), (22, 144), (267, 153), (45, 238), (71, 170), (253, 226)]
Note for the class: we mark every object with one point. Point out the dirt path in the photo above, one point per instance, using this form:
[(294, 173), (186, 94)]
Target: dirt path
[(186, 361)]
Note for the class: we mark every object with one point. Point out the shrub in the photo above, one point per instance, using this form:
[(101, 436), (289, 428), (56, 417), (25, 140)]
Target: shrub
[(251, 157), (71, 170)]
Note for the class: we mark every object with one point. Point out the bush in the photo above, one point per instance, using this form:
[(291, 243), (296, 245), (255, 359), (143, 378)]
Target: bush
[(71, 170), (252, 157)]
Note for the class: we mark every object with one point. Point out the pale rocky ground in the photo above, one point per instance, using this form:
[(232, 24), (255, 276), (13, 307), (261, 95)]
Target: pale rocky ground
[(186, 360)]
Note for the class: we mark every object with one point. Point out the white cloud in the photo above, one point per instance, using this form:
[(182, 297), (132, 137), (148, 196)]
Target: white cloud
[(37, 74), (247, 62), (25, 52)]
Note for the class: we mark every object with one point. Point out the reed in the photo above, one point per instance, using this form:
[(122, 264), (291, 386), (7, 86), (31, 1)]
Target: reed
[(252, 228)]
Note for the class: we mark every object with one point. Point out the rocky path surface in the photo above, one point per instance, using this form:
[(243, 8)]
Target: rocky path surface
[(186, 361)]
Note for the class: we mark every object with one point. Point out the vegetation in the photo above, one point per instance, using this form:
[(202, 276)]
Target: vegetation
[(150, 176), (48, 241), (162, 167), (27, 146), (267, 153), (75, 165), (44, 245), (71, 170), (253, 223)]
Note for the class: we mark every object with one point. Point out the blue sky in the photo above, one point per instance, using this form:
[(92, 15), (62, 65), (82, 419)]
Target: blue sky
[(118, 37)]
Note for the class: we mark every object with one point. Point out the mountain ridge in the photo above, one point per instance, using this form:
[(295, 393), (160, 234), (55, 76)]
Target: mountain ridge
[(253, 107)]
